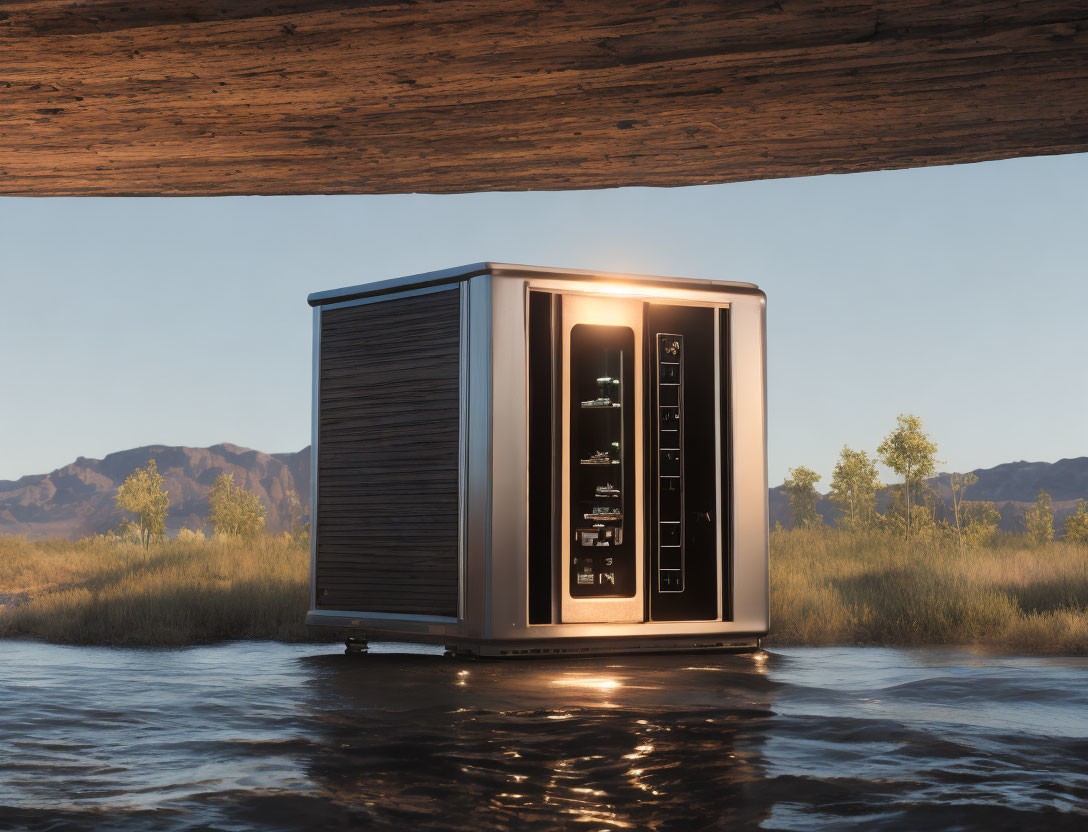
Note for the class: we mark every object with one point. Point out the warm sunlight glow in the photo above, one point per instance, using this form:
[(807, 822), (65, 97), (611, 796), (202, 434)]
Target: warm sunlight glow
[(625, 290)]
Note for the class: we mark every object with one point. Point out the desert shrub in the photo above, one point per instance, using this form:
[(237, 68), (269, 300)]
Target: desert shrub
[(830, 586)]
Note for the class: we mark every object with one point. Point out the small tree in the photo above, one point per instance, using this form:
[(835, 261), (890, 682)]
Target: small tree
[(980, 522), (1076, 525), (801, 488), (909, 452), (143, 494), (959, 483), (298, 529), (233, 509), (1039, 520), (854, 484)]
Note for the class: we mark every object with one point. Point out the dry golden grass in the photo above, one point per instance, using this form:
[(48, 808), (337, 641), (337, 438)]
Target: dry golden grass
[(830, 587), (106, 592)]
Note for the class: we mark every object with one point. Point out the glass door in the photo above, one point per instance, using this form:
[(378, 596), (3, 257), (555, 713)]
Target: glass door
[(602, 465)]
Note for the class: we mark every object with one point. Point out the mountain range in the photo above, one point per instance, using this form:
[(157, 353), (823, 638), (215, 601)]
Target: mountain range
[(78, 499)]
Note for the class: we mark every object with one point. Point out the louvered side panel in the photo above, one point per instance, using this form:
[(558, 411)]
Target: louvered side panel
[(387, 456)]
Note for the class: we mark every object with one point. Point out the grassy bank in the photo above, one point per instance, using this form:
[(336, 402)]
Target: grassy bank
[(105, 592), (830, 587)]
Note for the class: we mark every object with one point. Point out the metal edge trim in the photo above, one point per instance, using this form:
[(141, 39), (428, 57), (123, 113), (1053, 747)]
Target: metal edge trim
[(466, 272), (525, 271), (489, 386), (525, 314), (718, 495), (396, 284), (382, 616), (766, 490), (407, 293), (315, 388)]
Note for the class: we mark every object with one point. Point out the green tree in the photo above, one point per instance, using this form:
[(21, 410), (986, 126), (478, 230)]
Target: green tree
[(854, 484), (233, 509), (1076, 525), (980, 522), (801, 488), (959, 483), (143, 494), (1039, 520), (909, 452)]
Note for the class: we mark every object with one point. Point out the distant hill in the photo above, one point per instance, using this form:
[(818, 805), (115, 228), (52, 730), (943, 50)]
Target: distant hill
[(77, 500), (1012, 486)]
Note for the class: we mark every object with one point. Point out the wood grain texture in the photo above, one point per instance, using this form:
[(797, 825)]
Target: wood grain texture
[(387, 456), (375, 96)]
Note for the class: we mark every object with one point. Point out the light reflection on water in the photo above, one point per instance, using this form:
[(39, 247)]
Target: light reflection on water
[(273, 736)]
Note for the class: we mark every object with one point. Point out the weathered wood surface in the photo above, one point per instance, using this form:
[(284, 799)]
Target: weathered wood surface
[(332, 96), (387, 502)]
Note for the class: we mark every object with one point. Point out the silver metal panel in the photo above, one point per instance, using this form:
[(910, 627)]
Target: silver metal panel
[(508, 574), (750, 537), (477, 620)]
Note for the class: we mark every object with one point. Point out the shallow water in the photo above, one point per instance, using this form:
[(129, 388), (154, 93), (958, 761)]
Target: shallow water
[(254, 735)]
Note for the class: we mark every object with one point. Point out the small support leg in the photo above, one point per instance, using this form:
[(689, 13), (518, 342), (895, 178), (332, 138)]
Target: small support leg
[(355, 645)]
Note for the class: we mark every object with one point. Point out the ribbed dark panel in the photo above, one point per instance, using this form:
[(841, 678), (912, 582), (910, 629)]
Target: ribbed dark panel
[(541, 464), (387, 456)]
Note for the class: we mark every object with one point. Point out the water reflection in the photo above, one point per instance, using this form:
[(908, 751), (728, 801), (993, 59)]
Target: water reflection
[(632, 743), (280, 737)]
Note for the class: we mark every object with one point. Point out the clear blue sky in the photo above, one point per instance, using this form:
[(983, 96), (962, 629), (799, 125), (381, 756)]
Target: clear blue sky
[(957, 293)]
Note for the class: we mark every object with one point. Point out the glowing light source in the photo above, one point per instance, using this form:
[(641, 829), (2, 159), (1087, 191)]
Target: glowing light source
[(619, 289)]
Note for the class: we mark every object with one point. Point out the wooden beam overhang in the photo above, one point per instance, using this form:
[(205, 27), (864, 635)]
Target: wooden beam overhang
[(157, 97)]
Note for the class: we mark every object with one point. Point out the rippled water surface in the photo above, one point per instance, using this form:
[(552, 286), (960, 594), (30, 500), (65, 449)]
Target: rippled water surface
[(268, 736)]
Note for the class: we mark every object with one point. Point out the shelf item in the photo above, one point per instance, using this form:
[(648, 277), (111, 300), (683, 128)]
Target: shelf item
[(606, 513), (600, 458)]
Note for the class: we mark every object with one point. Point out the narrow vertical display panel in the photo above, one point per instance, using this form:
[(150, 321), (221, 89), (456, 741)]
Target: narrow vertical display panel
[(602, 462), (668, 428), (682, 466), (541, 458)]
